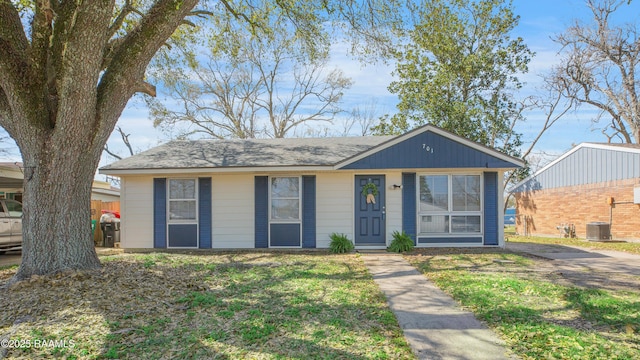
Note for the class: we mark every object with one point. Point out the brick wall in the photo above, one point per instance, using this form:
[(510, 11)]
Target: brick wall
[(544, 210)]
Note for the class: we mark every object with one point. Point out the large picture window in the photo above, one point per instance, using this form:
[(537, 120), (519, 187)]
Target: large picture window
[(182, 199), (449, 204), (466, 192), (285, 198), (434, 193)]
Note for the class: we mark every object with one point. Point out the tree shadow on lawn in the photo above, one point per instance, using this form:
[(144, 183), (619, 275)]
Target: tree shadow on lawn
[(585, 321), (525, 265), (429, 257), (554, 251), (592, 335), (246, 305)]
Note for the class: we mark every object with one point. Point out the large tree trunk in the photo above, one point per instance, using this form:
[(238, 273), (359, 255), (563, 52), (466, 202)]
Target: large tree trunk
[(65, 77), (58, 174)]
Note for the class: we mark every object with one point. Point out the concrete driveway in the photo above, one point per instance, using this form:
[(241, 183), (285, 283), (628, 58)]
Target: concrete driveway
[(14, 257), (582, 259), (10, 258)]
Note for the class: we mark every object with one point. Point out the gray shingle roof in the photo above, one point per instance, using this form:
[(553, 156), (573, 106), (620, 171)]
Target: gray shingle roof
[(180, 154)]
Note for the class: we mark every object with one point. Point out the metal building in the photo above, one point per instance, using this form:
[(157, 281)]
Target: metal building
[(590, 184)]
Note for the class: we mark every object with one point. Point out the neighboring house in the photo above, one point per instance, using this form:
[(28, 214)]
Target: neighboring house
[(588, 184), (103, 191), (11, 176), (441, 189), (11, 180)]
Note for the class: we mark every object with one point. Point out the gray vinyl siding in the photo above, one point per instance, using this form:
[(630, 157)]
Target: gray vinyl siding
[(586, 166)]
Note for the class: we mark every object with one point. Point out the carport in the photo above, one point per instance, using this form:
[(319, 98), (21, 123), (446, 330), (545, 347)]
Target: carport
[(11, 179)]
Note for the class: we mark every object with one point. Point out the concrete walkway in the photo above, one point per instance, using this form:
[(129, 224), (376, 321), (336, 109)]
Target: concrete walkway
[(433, 323)]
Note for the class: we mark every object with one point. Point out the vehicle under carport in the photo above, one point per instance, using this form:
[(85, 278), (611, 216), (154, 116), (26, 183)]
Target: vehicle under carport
[(11, 178)]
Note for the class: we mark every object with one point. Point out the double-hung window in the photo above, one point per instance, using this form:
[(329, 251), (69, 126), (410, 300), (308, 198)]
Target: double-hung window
[(449, 204), (285, 198), (182, 199), (285, 228), (182, 213)]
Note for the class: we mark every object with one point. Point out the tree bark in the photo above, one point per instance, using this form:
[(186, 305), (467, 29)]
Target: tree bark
[(58, 175), (60, 99)]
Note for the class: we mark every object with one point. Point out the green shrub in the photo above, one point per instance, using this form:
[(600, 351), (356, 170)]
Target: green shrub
[(401, 242), (340, 243)]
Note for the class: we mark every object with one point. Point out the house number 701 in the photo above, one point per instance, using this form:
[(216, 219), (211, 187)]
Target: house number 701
[(427, 148)]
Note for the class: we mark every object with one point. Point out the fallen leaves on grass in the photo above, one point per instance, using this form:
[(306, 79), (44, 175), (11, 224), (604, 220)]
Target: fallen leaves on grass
[(224, 305)]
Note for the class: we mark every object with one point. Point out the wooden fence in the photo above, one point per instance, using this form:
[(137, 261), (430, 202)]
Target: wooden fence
[(96, 211)]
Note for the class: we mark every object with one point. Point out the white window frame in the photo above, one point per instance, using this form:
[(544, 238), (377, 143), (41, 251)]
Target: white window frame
[(449, 212), (183, 221), (285, 221)]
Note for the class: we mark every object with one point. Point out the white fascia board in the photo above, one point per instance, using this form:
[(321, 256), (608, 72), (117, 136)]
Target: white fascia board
[(611, 147), (105, 191), (435, 130), (11, 173), (447, 170), (256, 169)]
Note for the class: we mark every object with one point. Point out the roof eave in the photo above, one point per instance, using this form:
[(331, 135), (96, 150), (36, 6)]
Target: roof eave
[(200, 170)]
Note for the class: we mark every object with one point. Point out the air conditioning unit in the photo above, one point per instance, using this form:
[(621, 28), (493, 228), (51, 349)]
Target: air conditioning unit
[(636, 195), (598, 231)]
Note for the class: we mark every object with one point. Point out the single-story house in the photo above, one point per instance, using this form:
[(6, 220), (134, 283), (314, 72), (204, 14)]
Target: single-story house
[(11, 178), (104, 191), (590, 184), (441, 189)]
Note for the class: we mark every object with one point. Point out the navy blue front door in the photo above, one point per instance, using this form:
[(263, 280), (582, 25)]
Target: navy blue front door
[(370, 210)]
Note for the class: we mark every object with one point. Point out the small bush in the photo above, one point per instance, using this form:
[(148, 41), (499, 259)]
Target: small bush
[(401, 242), (340, 243)]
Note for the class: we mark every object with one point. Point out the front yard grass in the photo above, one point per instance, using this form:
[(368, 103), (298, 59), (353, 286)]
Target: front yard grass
[(225, 306), (535, 309), (629, 247)]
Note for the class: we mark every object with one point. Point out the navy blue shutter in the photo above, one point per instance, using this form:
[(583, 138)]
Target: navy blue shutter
[(159, 213), (261, 212), (409, 209), (309, 211), (491, 208), (204, 212)]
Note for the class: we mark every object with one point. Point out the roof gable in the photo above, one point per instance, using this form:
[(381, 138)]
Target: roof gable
[(430, 147)]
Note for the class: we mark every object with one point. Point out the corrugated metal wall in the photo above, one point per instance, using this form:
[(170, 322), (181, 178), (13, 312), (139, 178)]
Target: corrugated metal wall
[(586, 166)]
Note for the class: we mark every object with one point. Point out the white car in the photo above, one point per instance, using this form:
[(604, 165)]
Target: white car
[(10, 225)]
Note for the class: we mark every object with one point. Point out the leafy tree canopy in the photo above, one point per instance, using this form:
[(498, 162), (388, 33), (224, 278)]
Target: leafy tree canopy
[(459, 70)]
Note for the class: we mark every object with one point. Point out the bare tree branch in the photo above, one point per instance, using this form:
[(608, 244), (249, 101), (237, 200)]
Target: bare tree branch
[(600, 67), (125, 140), (555, 107), (126, 10), (241, 91)]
